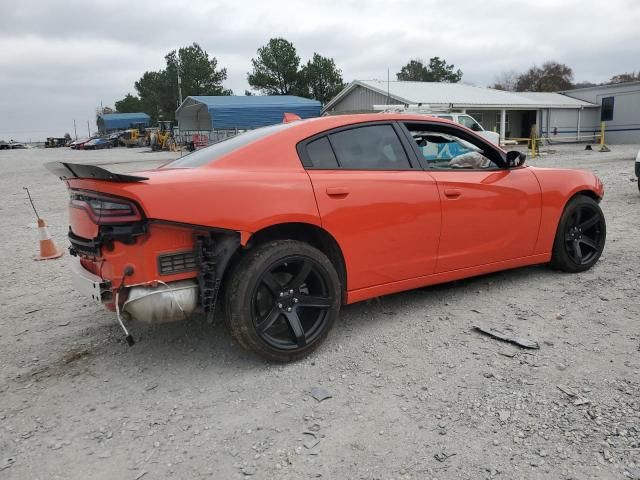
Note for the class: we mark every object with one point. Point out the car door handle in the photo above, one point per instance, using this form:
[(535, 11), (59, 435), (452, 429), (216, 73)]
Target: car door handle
[(452, 193), (337, 191)]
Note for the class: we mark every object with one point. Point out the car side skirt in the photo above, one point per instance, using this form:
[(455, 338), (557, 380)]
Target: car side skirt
[(359, 295)]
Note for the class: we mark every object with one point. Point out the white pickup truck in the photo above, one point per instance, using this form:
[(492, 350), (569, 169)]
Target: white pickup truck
[(461, 118), (470, 122)]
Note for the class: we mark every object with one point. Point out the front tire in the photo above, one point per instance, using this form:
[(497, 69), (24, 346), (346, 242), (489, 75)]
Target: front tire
[(580, 236), (283, 297)]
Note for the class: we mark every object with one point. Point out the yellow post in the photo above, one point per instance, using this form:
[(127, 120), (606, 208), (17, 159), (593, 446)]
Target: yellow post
[(534, 141), (601, 134)]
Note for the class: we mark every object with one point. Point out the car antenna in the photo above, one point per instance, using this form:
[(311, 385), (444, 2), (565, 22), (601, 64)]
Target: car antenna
[(32, 204)]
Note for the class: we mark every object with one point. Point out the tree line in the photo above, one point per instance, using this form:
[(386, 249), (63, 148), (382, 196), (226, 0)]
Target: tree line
[(277, 69), (551, 77)]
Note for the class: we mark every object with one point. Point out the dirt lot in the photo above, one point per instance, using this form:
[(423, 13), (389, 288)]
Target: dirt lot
[(416, 393)]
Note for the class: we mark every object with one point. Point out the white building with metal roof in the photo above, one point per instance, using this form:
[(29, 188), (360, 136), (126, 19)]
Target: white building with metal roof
[(513, 114), (619, 109)]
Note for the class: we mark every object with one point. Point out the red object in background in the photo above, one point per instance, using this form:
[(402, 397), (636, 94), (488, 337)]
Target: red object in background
[(290, 117), (199, 140)]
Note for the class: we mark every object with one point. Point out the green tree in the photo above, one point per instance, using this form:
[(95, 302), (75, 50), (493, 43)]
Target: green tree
[(551, 77), (158, 90), (275, 69), (436, 71), (129, 104), (320, 79)]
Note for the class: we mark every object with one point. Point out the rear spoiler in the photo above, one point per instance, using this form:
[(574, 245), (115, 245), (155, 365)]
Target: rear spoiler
[(77, 170)]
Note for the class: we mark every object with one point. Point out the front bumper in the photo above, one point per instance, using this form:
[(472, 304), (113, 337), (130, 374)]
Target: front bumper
[(89, 284)]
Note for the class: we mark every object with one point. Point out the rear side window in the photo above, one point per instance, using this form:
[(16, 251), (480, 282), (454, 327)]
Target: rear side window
[(376, 147), (217, 150), (321, 155)]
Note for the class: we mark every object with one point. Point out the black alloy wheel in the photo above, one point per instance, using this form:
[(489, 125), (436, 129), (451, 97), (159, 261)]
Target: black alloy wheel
[(581, 235), (282, 299), (291, 303)]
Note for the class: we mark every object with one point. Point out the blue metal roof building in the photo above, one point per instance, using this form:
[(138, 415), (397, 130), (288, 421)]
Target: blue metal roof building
[(108, 122), (206, 113)]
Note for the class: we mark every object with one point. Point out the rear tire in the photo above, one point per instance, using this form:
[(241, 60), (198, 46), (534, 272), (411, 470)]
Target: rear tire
[(580, 237), (282, 299)]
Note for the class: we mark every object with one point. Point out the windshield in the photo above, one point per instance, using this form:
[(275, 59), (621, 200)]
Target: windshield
[(217, 150)]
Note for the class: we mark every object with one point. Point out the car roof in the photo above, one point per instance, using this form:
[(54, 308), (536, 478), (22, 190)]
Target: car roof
[(312, 126), (268, 151)]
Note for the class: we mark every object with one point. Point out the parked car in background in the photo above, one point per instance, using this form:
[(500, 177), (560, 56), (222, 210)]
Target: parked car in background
[(79, 143), (11, 145), (98, 144), (294, 220), (55, 142)]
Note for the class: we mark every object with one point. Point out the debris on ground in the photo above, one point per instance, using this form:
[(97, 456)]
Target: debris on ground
[(320, 393), (74, 355), (442, 456), (7, 463), (522, 342), (311, 441), (579, 400)]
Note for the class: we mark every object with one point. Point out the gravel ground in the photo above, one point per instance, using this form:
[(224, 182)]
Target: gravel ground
[(416, 392)]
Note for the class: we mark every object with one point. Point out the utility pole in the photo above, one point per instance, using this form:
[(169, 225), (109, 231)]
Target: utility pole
[(179, 82), (88, 129), (75, 132)]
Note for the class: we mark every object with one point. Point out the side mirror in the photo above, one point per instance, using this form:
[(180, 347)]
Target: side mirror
[(515, 159)]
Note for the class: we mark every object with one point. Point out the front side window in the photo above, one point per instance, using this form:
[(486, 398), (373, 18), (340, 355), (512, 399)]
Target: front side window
[(442, 150), (374, 147)]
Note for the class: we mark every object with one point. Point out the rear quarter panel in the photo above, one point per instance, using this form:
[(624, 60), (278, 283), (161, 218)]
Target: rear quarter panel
[(558, 187), (232, 199)]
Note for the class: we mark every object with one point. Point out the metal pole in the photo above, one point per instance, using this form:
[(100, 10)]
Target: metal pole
[(75, 132), (88, 128), (578, 129), (503, 126), (179, 81), (388, 95)]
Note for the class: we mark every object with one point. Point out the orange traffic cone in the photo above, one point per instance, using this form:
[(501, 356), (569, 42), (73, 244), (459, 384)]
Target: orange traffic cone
[(48, 249)]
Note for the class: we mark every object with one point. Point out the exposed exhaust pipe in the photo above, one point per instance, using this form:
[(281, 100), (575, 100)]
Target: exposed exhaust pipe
[(164, 303)]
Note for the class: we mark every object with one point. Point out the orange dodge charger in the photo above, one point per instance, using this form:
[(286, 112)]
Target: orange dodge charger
[(284, 224)]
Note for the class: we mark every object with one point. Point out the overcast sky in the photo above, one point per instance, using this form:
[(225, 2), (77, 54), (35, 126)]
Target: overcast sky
[(60, 59)]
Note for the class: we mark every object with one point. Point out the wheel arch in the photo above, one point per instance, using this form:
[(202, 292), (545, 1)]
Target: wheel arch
[(308, 233), (586, 192)]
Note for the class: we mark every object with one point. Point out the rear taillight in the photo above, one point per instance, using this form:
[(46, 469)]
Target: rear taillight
[(105, 209)]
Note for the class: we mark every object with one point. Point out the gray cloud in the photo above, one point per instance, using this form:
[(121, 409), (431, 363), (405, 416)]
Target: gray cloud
[(60, 59)]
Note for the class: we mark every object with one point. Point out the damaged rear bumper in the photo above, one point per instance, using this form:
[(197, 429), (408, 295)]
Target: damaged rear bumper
[(89, 284)]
